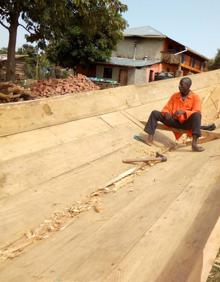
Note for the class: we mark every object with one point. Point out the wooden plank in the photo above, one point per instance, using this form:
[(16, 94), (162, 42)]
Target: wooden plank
[(61, 192), (176, 241), (29, 115), (27, 171), (210, 252), (151, 220), (13, 146), (108, 236)]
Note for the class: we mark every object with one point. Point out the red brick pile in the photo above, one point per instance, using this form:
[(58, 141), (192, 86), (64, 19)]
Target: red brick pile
[(71, 84)]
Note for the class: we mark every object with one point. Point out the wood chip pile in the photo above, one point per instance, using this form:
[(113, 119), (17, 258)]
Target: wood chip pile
[(71, 84)]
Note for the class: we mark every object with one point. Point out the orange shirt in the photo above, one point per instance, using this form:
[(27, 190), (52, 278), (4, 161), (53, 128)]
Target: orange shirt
[(190, 105)]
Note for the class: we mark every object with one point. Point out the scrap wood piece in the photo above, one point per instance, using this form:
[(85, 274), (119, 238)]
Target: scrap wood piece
[(204, 133), (10, 92), (9, 97), (5, 97), (4, 85), (120, 176)]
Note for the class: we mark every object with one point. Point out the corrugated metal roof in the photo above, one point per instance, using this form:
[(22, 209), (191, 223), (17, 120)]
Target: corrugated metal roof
[(143, 31), (132, 63)]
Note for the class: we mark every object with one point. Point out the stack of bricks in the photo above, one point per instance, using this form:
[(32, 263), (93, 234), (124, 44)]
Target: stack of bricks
[(69, 85)]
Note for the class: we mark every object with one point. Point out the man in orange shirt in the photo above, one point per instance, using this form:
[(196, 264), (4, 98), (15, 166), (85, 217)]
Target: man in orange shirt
[(182, 111)]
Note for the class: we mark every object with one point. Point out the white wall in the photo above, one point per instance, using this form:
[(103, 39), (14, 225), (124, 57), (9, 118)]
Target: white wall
[(140, 76), (135, 76), (150, 47), (131, 76), (115, 71)]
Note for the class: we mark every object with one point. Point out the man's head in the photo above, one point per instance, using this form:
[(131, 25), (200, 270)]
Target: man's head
[(184, 85)]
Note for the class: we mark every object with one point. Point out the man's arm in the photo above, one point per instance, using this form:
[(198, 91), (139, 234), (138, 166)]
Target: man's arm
[(167, 110), (195, 108)]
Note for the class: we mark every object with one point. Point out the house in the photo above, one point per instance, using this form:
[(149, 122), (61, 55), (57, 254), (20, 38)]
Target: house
[(143, 53)]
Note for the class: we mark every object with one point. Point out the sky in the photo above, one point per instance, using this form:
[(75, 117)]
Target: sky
[(194, 23)]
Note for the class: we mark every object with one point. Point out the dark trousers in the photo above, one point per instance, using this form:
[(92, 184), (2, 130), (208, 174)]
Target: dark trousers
[(192, 123)]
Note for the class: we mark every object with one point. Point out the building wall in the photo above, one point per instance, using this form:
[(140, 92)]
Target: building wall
[(193, 63), (150, 47), (131, 76), (134, 75), (115, 71), (154, 68), (88, 71), (172, 46), (140, 76), (169, 68)]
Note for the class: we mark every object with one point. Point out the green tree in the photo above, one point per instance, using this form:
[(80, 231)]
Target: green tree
[(215, 63), (39, 17), (36, 62), (27, 49), (95, 26)]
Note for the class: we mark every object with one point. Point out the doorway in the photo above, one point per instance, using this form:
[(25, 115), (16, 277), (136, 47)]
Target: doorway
[(151, 76), (123, 76)]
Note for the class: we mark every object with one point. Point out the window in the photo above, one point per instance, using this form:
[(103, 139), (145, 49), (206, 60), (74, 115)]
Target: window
[(202, 66), (171, 49), (183, 58), (107, 73), (192, 62)]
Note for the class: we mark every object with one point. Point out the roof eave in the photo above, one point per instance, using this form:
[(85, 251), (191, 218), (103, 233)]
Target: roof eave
[(145, 36)]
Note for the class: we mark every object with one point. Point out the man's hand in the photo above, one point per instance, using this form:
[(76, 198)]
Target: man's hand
[(168, 116), (178, 113)]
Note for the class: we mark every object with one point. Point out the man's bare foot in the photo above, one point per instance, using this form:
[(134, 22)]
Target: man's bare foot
[(148, 139), (197, 148)]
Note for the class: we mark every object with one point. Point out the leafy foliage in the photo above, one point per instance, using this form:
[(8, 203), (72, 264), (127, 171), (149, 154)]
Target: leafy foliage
[(93, 31), (78, 31), (39, 18), (215, 63), (3, 50)]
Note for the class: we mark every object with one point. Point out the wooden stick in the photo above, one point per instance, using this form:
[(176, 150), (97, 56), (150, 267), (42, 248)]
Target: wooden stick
[(122, 175), (204, 133), (144, 159)]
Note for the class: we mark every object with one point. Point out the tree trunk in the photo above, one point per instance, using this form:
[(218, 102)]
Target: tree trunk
[(10, 72)]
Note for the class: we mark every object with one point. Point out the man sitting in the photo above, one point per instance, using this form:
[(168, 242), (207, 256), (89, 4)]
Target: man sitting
[(183, 111)]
